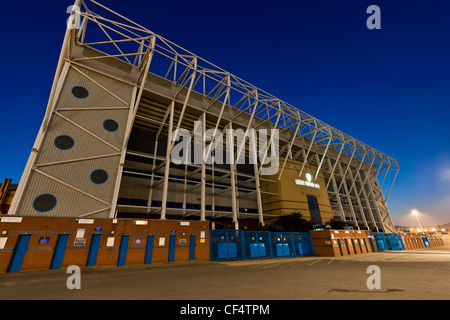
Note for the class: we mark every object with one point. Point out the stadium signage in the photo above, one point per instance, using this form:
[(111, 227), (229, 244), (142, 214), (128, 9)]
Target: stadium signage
[(307, 182)]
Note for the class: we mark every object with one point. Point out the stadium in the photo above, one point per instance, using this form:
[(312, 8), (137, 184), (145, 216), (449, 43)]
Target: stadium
[(104, 148), (147, 146)]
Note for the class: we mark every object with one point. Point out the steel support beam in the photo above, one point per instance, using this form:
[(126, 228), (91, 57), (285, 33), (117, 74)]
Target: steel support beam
[(167, 164)]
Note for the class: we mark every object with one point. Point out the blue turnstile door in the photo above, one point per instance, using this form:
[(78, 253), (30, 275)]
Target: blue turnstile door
[(60, 249), (172, 249), (254, 250), (300, 249), (280, 250), (232, 250), (222, 250), (262, 249), (227, 244), (380, 241), (425, 241), (149, 250), (93, 250), (283, 249), (123, 251), (257, 250), (192, 247), (286, 250), (19, 253)]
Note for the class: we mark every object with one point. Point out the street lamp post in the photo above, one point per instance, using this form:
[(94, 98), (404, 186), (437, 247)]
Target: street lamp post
[(416, 213)]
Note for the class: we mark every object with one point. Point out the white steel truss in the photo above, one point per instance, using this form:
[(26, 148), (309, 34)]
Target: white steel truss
[(351, 168)]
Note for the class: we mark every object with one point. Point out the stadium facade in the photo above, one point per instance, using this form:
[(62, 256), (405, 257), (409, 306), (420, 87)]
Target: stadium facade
[(120, 98)]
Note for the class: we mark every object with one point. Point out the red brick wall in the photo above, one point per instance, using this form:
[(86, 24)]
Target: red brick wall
[(413, 240), (327, 242), (39, 256)]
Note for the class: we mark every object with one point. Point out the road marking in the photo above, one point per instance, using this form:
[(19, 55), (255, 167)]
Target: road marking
[(314, 262), (331, 260), (273, 265)]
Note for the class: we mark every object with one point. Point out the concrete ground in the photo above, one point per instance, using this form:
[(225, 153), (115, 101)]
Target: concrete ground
[(411, 274)]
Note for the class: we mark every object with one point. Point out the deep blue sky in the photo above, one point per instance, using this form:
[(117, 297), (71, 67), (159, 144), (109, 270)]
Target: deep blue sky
[(389, 88)]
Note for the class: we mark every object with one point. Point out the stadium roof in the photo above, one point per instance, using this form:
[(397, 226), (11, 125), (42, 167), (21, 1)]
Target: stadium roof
[(118, 37)]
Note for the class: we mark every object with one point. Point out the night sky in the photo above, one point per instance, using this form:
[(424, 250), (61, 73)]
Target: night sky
[(389, 88)]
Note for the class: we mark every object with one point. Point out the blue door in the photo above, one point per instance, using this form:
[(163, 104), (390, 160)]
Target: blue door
[(123, 251), (304, 244), (222, 250), (19, 253), (60, 249), (93, 250), (380, 241), (149, 250), (280, 251), (286, 250), (400, 240), (371, 245), (340, 248), (387, 242), (380, 245), (172, 249), (192, 247), (425, 241), (261, 249), (254, 253), (232, 250), (226, 245)]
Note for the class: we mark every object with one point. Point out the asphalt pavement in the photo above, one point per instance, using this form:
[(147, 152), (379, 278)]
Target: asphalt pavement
[(422, 274)]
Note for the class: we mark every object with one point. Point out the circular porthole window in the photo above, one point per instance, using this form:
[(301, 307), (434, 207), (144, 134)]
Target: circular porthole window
[(44, 202), (99, 176), (80, 92), (64, 142), (110, 125)]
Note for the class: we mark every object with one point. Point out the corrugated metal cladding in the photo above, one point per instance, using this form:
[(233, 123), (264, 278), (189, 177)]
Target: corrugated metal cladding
[(78, 160)]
